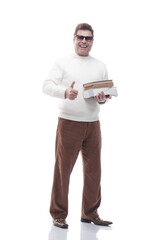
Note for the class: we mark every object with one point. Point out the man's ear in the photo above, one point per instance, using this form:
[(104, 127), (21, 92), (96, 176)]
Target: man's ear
[(74, 40)]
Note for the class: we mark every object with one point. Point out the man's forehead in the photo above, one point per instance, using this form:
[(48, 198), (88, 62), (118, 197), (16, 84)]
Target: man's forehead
[(84, 32)]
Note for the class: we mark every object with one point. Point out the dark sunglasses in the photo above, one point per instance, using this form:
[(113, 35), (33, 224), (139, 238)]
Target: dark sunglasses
[(87, 38)]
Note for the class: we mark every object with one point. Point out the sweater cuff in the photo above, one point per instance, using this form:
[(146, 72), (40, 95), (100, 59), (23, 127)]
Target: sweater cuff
[(61, 93), (53, 90)]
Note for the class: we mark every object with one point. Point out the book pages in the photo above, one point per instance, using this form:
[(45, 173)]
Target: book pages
[(112, 91)]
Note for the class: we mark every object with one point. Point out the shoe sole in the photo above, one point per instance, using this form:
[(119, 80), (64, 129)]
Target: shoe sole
[(85, 220), (90, 221), (66, 226)]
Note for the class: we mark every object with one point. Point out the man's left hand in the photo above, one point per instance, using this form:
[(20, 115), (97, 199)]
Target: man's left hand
[(101, 98)]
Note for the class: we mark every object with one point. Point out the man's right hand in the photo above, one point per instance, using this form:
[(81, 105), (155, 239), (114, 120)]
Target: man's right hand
[(70, 92)]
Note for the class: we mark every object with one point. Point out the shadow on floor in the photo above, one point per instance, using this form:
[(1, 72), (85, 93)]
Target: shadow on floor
[(87, 231)]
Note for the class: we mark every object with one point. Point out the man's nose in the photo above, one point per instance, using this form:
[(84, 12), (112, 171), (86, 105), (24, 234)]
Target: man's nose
[(84, 40)]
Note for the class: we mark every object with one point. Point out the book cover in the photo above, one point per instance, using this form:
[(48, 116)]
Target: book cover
[(97, 82), (100, 85)]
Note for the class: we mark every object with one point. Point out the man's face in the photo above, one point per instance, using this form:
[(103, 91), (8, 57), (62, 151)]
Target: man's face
[(83, 45)]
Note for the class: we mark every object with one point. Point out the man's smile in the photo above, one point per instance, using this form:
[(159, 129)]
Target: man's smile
[(83, 46)]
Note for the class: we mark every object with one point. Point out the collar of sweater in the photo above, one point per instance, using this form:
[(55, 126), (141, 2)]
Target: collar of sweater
[(81, 57)]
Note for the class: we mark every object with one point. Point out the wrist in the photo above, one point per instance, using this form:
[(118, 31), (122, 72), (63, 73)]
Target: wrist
[(65, 94)]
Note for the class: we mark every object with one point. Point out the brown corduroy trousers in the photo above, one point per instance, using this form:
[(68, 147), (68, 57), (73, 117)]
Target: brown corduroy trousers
[(71, 138)]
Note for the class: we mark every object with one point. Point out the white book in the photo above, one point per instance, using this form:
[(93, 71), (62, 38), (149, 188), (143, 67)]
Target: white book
[(112, 91)]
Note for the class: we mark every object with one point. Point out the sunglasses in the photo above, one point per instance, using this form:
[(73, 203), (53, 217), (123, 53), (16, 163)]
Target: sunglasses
[(87, 38)]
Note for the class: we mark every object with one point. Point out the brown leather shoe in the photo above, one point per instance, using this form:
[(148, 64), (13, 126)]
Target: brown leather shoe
[(97, 221), (60, 222)]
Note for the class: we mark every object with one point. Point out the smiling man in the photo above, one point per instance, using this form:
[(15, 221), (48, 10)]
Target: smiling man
[(83, 41), (78, 128)]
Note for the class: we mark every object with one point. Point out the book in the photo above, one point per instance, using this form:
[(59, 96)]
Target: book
[(100, 85), (97, 84), (111, 91), (92, 89)]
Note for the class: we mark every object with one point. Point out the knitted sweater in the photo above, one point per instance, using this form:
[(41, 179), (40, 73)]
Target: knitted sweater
[(81, 70)]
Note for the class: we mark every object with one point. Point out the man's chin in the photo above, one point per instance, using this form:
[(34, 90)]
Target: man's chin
[(83, 54)]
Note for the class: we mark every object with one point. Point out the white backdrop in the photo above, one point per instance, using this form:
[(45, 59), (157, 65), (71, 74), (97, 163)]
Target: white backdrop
[(35, 33)]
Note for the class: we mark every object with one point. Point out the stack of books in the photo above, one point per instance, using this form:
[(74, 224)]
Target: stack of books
[(92, 89)]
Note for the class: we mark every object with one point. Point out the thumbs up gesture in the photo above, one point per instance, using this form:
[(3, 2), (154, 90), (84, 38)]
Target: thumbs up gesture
[(70, 92)]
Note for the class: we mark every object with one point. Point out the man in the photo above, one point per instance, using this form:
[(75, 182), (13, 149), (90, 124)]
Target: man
[(78, 128)]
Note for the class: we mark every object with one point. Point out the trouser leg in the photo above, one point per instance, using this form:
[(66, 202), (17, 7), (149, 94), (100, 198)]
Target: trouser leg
[(91, 154), (68, 145)]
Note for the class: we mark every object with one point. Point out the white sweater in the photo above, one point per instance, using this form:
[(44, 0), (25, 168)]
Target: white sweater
[(81, 70)]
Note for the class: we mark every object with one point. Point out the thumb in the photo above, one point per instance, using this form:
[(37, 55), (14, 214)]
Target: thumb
[(72, 84)]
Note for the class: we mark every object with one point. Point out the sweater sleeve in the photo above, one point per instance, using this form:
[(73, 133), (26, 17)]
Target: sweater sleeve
[(105, 73), (105, 77), (52, 86)]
